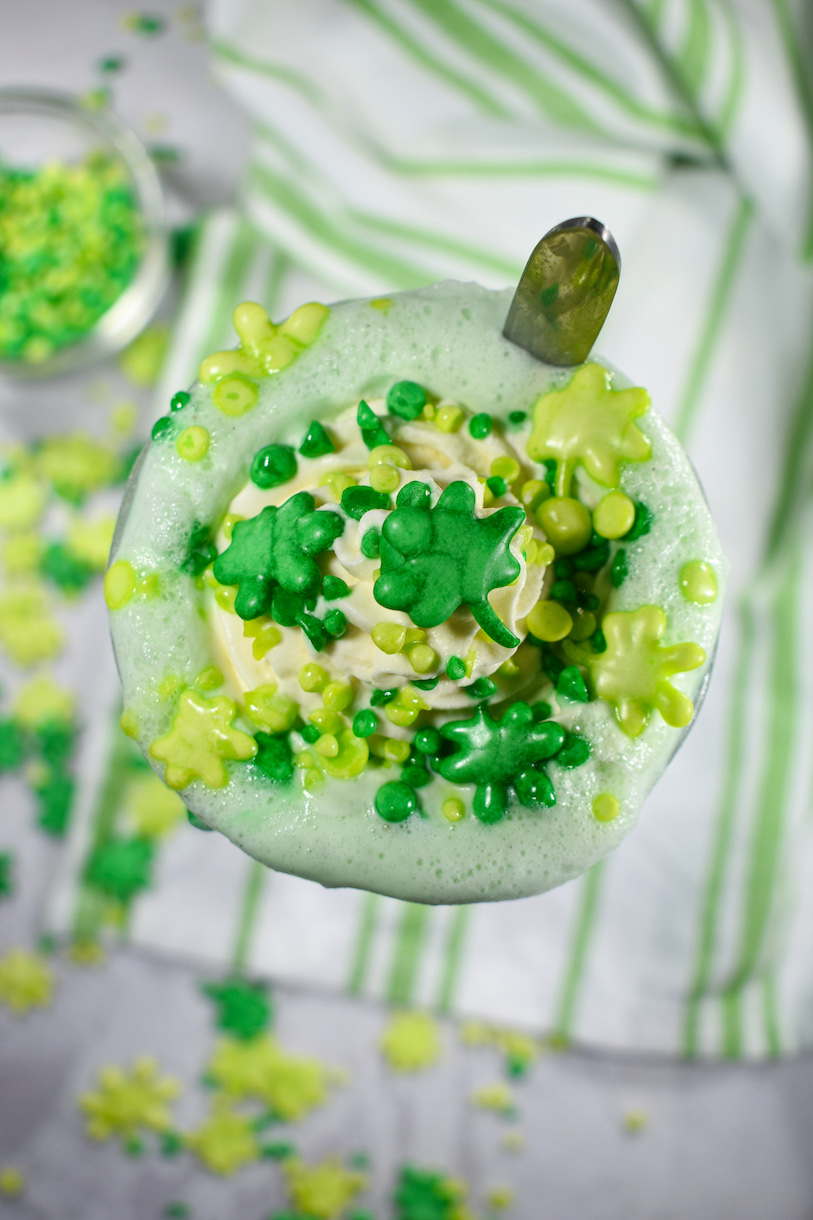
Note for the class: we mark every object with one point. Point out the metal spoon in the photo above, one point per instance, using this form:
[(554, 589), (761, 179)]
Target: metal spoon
[(565, 292)]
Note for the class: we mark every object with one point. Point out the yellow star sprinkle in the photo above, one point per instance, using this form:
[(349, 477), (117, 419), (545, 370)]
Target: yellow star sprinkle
[(25, 981), (201, 737), (126, 1102), (226, 1140), (588, 422), (90, 540), (42, 701), (28, 634), (12, 1182), (322, 1191), (152, 809), (77, 465), (22, 502), (411, 1042), (497, 1097), (21, 554), (290, 1085), (633, 674)]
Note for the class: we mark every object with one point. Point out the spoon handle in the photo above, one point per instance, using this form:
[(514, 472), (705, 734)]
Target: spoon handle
[(565, 292)]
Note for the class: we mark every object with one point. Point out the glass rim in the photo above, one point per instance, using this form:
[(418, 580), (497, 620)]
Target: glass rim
[(132, 310)]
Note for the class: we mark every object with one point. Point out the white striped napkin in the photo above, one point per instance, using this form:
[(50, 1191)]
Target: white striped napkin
[(400, 141)]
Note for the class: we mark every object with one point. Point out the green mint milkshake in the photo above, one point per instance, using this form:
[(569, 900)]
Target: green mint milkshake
[(398, 606)]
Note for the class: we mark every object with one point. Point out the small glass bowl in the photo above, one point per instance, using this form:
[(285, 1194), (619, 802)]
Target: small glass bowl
[(38, 126)]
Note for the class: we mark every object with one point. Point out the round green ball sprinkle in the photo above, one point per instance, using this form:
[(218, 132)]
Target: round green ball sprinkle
[(160, 427), (395, 801), (427, 741), (371, 544), (496, 486), (365, 723), (335, 623), (456, 669), (406, 399), (415, 774), (517, 418), (480, 426), (310, 733), (482, 688), (273, 465), (179, 400), (333, 587)]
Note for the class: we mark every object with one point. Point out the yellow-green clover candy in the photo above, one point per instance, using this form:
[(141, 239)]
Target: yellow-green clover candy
[(200, 738), (127, 1102), (633, 673), (590, 423), (265, 348)]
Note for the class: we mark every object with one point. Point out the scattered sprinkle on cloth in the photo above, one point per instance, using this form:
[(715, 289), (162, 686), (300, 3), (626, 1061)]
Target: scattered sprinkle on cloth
[(682, 122)]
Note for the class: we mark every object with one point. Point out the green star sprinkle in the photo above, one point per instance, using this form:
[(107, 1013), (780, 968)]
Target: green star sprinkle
[(202, 736), (587, 422), (497, 754), (633, 673), (243, 1009), (121, 867), (434, 560), (276, 549), (126, 1103)]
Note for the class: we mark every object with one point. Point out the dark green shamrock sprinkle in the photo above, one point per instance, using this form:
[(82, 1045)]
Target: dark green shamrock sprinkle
[(436, 559), (121, 867), (243, 1009), (498, 754)]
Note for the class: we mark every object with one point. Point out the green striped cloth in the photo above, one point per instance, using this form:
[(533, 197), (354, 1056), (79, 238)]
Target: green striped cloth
[(401, 141)]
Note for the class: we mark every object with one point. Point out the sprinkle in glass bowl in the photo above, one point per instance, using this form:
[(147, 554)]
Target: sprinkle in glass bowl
[(83, 239)]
